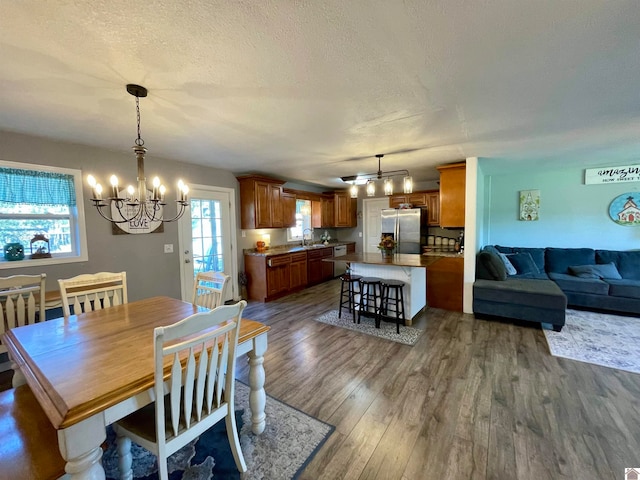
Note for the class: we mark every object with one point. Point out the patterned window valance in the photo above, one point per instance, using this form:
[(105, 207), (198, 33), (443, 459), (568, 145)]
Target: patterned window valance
[(36, 187)]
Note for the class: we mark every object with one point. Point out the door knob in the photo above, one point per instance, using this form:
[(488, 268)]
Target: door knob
[(187, 261)]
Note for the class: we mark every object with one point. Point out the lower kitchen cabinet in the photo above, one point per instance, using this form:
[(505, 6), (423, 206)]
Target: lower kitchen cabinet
[(298, 271), (317, 269), (278, 275), (267, 277), (445, 283), (274, 276)]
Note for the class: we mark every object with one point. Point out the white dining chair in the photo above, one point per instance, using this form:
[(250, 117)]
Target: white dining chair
[(210, 289), (195, 361), (92, 291), (21, 302)]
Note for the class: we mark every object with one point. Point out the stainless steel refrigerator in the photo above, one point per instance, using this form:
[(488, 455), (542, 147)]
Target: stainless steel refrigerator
[(407, 226)]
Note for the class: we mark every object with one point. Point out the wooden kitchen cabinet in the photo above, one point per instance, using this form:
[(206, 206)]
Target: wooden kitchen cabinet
[(417, 199), (445, 283), (433, 207), (260, 202), (298, 271), (267, 277), (317, 269), (345, 209), (328, 211), (452, 194), (288, 201), (277, 210), (316, 214)]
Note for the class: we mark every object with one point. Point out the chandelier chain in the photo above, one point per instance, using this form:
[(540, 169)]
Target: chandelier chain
[(139, 141)]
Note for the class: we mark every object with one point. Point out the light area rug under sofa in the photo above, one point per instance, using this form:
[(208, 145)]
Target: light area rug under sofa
[(599, 338)]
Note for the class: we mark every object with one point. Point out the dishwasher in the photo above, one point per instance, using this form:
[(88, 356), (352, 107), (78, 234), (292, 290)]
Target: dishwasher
[(339, 267)]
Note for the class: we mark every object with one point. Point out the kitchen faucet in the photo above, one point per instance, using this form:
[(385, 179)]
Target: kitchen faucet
[(303, 232)]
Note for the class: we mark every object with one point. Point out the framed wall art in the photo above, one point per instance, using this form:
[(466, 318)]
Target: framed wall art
[(624, 209), (529, 205)]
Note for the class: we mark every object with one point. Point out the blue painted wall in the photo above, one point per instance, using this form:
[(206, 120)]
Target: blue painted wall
[(572, 214)]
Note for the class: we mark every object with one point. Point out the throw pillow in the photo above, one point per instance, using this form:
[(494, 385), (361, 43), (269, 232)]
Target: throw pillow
[(523, 262), (603, 270), (511, 270), (493, 264), (583, 271)]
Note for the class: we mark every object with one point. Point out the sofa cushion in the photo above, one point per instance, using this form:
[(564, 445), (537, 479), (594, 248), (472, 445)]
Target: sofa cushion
[(628, 263), (624, 288), (490, 266), (544, 294), (537, 254), (602, 271), (571, 283), (558, 260), (523, 263)]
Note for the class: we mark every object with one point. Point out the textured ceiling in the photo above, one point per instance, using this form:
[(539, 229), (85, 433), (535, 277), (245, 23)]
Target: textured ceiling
[(311, 91)]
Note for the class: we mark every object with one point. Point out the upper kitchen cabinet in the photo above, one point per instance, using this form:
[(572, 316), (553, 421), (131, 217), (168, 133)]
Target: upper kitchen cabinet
[(428, 198), (433, 207), (288, 209), (416, 199), (260, 202), (328, 212), (345, 209), (452, 194)]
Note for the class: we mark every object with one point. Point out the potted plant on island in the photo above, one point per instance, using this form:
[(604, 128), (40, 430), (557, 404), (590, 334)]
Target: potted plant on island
[(387, 245)]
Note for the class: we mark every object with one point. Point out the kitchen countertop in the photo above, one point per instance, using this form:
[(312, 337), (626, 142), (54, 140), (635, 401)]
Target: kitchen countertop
[(397, 260), (443, 252), (284, 249)]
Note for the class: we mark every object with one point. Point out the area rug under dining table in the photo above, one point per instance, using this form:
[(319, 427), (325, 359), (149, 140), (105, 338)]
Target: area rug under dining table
[(289, 442), (598, 338)]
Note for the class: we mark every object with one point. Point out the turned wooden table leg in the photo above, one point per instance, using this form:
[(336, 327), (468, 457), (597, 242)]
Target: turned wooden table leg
[(257, 395), (80, 446)]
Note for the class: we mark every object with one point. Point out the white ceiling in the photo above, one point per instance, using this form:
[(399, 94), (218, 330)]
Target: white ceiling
[(303, 89)]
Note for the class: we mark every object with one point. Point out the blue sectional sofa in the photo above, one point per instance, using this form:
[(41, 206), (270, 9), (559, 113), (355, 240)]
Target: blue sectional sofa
[(538, 284)]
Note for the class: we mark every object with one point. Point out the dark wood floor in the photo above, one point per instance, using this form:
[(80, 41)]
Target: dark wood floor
[(473, 399)]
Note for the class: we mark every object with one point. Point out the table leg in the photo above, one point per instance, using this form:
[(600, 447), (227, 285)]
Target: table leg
[(125, 460), (80, 446), (257, 395), (18, 377)]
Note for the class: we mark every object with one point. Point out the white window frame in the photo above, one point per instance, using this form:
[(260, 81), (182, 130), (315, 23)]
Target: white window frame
[(77, 225), (298, 238)]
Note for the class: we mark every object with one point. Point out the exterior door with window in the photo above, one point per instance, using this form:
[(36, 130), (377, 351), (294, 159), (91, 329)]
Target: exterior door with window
[(206, 238)]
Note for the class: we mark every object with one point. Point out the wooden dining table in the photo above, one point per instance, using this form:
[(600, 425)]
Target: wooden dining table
[(91, 369)]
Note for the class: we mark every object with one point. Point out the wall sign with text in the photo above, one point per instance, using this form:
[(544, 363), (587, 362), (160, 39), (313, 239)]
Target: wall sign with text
[(625, 173), (137, 226)]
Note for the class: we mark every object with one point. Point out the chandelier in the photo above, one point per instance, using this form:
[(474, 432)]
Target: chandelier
[(369, 179), (139, 206)]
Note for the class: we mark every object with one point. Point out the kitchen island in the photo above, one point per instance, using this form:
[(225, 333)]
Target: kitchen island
[(409, 268)]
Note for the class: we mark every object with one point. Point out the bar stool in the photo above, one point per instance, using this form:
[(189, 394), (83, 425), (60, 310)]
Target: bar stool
[(370, 290), (395, 304), (350, 281)]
